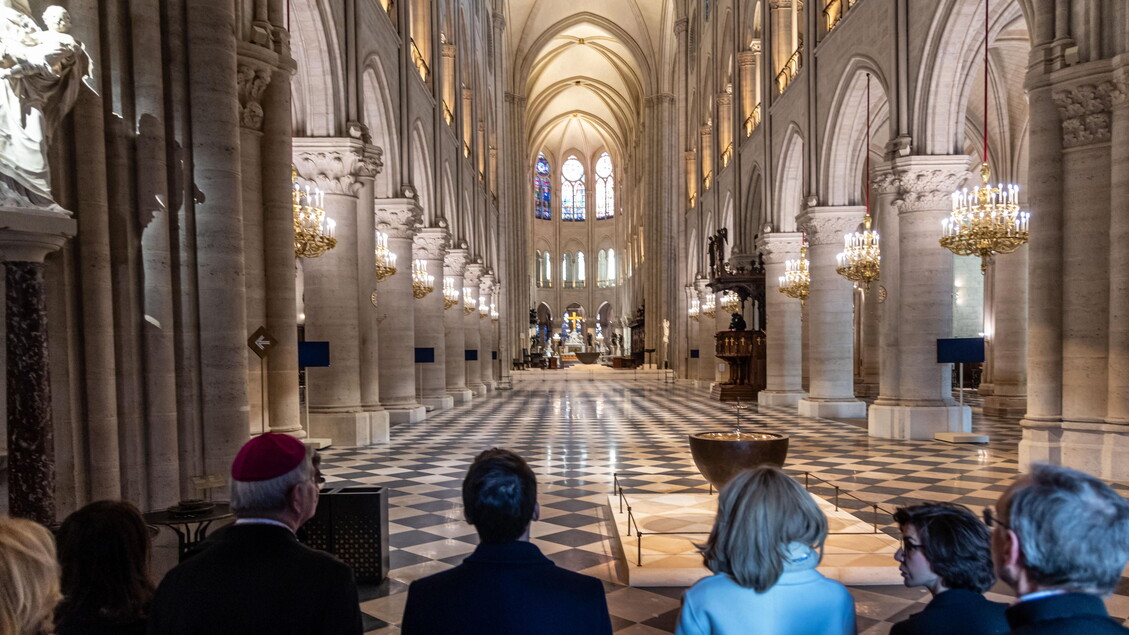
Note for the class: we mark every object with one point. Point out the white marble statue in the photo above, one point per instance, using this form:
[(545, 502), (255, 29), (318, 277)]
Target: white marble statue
[(41, 72)]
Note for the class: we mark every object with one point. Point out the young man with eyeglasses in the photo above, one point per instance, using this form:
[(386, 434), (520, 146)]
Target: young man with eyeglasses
[(945, 550), (1060, 538)]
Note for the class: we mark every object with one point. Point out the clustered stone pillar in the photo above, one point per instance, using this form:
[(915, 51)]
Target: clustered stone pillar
[(830, 327), (454, 324), (397, 218), (921, 403), (707, 343), (24, 242), (783, 325), (486, 345), (430, 248), (1006, 339), (473, 335)]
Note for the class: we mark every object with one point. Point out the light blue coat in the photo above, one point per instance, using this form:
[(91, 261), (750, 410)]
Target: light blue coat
[(802, 602)]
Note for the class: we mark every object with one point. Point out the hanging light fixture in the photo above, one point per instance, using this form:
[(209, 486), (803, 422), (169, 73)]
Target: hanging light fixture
[(796, 281), (493, 313), (450, 293), (483, 308), (423, 283), (730, 302), (468, 300), (385, 259), (695, 309), (987, 220), (709, 306), (861, 259), (313, 231)]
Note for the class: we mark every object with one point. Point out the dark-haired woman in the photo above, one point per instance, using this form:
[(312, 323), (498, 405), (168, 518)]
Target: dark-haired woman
[(946, 550), (104, 554)]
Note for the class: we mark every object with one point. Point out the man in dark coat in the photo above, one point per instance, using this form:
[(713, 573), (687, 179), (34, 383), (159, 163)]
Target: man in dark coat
[(1061, 540), (254, 577), (506, 586)]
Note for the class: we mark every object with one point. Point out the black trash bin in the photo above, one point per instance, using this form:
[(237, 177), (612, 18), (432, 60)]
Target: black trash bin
[(352, 524)]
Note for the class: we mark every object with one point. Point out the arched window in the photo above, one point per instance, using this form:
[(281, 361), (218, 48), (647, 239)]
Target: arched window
[(572, 190), (540, 272), (602, 269), (611, 268), (605, 188), (547, 268), (542, 189), (580, 269), (566, 282)]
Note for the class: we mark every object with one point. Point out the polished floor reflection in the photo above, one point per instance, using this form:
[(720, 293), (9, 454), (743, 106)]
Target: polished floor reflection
[(579, 434)]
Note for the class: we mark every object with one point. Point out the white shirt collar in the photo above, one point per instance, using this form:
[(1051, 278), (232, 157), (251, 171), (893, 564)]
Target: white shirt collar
[(263, 521), (1038, 595)]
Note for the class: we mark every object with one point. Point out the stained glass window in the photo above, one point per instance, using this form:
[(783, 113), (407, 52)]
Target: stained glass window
[(542, 189), (572, 190), (605, 188), (580, 269)]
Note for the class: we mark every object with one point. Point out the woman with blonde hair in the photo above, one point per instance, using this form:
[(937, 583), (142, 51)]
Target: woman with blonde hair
[(29, 578), (763, 550)]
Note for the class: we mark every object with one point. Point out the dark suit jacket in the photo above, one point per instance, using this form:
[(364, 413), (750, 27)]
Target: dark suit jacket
[(956, 611), (506, 589), (257, 579), (1066, 614)]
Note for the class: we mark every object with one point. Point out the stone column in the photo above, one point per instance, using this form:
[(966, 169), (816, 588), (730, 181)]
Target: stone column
[(705, 133), (745, 68), (487, 345), (454, 326), (25, 240), (921, 405), (367, 297), (707, 343), (1007, 338), (725, 127), (1118, 411), (780, 14), (783, 337), (472, 279), (831, 358), (430, 246), (334, 166), (398, 218)]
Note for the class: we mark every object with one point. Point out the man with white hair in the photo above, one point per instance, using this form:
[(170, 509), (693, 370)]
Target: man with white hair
[(1060, 538), (254, 576)]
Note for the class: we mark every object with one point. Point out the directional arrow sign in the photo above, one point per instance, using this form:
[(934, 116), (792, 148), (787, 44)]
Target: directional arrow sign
[(261, 342)]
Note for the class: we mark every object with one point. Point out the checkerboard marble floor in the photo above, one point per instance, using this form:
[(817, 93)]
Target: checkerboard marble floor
[(578, 434)]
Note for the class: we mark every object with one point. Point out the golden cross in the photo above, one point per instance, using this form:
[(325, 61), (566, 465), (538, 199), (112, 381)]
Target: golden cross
[(573, 319)]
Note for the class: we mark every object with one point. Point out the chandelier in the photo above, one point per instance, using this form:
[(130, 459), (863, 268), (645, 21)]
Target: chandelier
[(385, 259), (313, 232), (450, 293), (468, 300), (483, 309), (796, 281), (730, 303), (987, 220), (695, 309), (423, 283), (493, 313), (861, 259), (709, 306)]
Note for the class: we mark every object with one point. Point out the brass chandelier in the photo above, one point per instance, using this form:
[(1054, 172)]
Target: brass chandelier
[(861, 259), (468, 300), (483, 308), (423, 283), (695, 309), (313, 231), (730, 303), (493, 313), (709, 306), (987, 220), (796, 281), (385, 259), (450, 293)]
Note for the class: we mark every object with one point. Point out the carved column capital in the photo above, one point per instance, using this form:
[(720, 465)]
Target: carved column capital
[(473, 274), (777, 248), (747, 58), (1085, 111), (884, 181), (252, 77), (680, 25), (516, 100), (336, 165), (487, 285), (397, 217), (927, 183), (706, 130), (827, 225), (455, 262), (499, 21), (430, 243), (779, 4), (724, 98)]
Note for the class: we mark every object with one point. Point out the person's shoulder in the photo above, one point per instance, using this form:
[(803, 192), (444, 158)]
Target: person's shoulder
[(576, 579)]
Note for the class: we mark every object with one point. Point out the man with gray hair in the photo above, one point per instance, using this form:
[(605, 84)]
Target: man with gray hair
[(254, 576), (1060, 538)]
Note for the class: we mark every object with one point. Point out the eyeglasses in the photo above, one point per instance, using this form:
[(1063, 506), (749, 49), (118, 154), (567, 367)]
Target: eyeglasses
[(990, 519)]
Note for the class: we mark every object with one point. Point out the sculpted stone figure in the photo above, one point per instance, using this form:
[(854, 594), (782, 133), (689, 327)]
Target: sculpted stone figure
[(41, 72)]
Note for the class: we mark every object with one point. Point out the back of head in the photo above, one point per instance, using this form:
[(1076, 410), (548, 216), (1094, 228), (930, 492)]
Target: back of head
[(1073, 530), (104, 553), (264, 472), (499, 494), (954, 541), (29, 577), (760, 513)]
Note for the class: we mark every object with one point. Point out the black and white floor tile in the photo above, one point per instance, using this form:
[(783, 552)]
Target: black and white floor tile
[(578, 434)]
